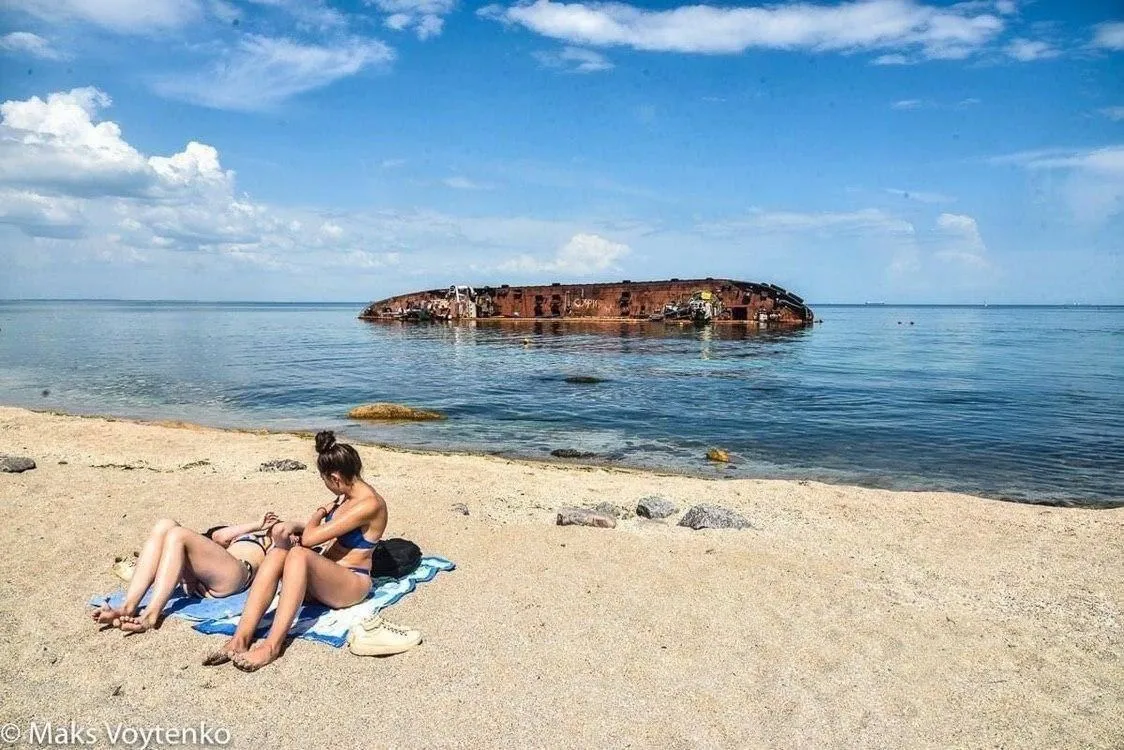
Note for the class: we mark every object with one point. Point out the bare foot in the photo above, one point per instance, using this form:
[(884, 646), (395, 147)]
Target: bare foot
[(134, 624), (233, 648), (105, 614), (256, 658)]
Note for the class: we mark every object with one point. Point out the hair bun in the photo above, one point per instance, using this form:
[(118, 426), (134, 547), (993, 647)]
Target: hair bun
[(325, 441)]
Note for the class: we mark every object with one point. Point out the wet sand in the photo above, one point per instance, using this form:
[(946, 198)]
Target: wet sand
[(847, 617)]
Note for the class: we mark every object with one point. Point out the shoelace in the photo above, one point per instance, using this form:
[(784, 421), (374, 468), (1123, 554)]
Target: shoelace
[(378, 622), (396, 629)]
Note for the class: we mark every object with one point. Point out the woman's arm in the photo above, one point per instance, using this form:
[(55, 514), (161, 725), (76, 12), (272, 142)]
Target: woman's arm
[(359, 514), (228, 534), (283, 533)]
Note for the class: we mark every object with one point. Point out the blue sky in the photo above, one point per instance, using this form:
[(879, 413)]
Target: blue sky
[(889, 150)]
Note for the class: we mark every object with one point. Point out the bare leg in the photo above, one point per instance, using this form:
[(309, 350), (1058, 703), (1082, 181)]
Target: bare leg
[(142, 576), (305, 573), (208, 561), (262, 591)]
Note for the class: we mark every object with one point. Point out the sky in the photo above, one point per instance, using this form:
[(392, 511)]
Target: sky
[(315, 150)]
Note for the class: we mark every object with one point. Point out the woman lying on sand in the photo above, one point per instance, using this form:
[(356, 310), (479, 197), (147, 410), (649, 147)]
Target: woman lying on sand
[(339, 577), (217, 563)]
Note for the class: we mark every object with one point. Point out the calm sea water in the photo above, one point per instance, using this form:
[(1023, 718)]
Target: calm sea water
[(1016, 403)]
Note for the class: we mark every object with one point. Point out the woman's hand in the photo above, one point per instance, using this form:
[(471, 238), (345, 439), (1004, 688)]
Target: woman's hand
[(284, 532), (269, 520)]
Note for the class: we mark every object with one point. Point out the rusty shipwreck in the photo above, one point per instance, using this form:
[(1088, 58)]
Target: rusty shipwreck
[(699, 301)]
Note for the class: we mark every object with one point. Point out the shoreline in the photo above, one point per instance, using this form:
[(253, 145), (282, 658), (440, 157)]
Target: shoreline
[(843, 617), (608, 465)]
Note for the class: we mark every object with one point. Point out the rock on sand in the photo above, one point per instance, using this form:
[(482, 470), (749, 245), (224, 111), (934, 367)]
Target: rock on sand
[(15, 464), (656, 507), (713, 517), (584, 517)]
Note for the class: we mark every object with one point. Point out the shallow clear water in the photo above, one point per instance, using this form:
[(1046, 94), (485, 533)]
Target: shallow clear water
[(1019, 403)]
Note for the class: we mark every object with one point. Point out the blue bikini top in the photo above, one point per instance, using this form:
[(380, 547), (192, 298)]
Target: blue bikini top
[(353, 539)]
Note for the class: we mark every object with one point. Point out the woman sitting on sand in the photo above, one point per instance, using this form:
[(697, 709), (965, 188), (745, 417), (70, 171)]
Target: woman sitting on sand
[(217, 563), (339, 577)]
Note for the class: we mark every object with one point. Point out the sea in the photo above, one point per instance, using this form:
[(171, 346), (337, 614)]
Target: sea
[(1013, 403)]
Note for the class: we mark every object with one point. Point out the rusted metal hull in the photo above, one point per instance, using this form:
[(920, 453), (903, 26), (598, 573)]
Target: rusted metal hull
[(674, 300)]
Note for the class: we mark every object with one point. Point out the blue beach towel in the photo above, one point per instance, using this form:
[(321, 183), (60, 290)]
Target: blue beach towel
[(314, 621)]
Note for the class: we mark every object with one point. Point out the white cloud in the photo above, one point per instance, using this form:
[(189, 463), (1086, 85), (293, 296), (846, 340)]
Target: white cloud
[(76, 192), (425, 17), (960, 243), (1108, 160), (262, 72), (864, 25), (41, 216), (1109, 36), (894, 59), (759, 221), (122, 16), (1089, 182), (908, 104), (1113, 113), (896, 257), (583, 255), (574, 60), (458, 182), (24, 42), (364, 260), (1027, 50), (912, 104), (951, 258), (54, 146), (313, 14), (398, 21), (64, 174)]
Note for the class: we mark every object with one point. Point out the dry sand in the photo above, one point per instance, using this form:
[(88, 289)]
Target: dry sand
[(847, 618)]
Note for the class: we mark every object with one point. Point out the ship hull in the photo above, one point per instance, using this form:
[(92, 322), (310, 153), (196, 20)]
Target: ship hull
[(702, 301)]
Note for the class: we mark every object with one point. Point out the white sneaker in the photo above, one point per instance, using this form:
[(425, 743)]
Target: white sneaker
[(124, 567), (375, 636)]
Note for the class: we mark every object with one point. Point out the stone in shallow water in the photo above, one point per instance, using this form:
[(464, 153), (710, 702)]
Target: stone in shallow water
[(713, 517), (392, 412), (585, 517), (16, 464), (718, 454), (282, 464), (571, 453), (656, 507)]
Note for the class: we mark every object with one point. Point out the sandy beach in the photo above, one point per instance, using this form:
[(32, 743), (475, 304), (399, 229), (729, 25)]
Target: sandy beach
[(846, 617)]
